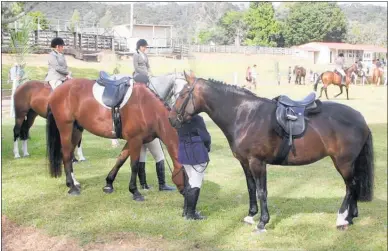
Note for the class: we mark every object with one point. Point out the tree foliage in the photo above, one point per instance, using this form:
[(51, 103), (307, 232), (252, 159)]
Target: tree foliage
[(38, 17), (106, 20), (261, 23), (13, 11), (74, 21), (314, 21)]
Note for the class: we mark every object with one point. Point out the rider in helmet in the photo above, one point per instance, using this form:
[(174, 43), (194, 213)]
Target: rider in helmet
[(57, 66), (340, 62), (141, 63)]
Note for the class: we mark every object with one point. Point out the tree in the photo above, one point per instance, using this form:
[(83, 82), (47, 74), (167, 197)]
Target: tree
[(106, 20), (38, 17), (90, 17), (314, 21), (12, 11), (75, 18), (262, 26), (232, 27)]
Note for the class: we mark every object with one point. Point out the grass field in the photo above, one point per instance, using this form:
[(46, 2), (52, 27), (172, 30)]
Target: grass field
[(303, 201)]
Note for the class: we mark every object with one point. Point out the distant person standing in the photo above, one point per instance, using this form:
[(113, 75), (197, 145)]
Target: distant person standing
[(141, 63), (277, 73), (248, 77), (254, 76), (289, 74), (14, 77)]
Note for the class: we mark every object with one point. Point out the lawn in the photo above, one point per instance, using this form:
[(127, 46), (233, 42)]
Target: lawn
[(303, 201)]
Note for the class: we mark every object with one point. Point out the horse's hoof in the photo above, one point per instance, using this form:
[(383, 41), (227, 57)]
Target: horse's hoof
[(343, 227), (78, 185), (138, 197), (17, 156), (26, 155), (82, 160), (74, 191), (107, 189)]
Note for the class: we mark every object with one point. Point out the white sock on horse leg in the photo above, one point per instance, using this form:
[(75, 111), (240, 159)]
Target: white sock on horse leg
[(80, 154), (16, 149), (24, 147)]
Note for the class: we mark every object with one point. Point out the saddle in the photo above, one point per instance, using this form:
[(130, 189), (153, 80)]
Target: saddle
[(115, 89), (291, 120), (113, 95)]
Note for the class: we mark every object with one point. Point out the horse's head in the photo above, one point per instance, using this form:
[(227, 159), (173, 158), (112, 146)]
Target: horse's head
[(184, 107)]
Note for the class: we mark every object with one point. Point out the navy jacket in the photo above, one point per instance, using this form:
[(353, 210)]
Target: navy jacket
[(194, 142)]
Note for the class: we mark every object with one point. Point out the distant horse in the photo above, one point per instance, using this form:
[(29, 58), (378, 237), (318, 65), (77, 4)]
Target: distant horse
[(30, 100), (300, 73), (335, 78), (377, 76), (251, 124), (142, 118)]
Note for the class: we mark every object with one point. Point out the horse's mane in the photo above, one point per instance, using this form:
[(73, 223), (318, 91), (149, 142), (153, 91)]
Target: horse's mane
[(231, 88), (160, 98)]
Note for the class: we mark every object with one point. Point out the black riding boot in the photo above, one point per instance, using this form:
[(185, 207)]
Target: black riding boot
[(161, 177), (191, 196), (142, 176)]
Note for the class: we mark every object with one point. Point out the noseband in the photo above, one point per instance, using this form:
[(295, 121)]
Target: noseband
[(182, 110)]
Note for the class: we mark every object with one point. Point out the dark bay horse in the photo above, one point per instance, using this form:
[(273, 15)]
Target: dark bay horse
[(334, 78), (30, 100), (143, 118), (299, 73), (247, 121)]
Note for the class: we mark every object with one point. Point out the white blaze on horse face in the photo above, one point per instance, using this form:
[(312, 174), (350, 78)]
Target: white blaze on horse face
[(24, 147), (16, 149), (341, 218), (80, 154), (76, 183)]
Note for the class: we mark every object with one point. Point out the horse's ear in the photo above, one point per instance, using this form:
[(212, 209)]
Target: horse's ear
[(190, 78)]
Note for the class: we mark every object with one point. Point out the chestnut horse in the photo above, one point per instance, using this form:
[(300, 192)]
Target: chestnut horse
[(143, 118), (377, 76), (249, 123), (329, 77), (30, 100)]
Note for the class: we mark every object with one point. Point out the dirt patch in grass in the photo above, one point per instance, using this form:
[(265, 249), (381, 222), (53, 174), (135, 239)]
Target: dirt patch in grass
[(16, 238)]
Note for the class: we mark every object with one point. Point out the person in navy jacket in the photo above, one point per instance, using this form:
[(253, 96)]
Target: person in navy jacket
[(194, 145)]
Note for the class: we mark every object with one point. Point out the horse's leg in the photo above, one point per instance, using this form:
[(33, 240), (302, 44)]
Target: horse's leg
[(327, 97), (68, 146), (112, 174), (80, 153), (134, 151), (252, 195), (19, 120), (259, 171), (347, 92), (320, 95), (341, 86), (24, 133), (348, 209), (76, 140)]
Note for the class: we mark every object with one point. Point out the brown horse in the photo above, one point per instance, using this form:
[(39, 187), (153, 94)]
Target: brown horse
[(30, 100), (251, 124), (300, 73), (335, 78), (143, 118), (377, 76)]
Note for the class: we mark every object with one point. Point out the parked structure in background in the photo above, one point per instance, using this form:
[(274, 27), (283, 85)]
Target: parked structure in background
[(325, 53)]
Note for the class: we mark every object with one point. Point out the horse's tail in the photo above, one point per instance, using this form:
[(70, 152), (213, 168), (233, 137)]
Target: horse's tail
[(54, 146), (317, 81), (364, 171)]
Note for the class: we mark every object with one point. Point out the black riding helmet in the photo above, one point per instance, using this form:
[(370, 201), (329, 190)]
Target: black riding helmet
[(57, 41), (141, 42), (341, 54)]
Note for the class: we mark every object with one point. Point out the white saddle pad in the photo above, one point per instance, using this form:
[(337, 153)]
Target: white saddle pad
[(98, 90)]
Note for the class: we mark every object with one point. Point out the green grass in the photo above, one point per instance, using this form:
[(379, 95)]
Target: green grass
[(303, 201)]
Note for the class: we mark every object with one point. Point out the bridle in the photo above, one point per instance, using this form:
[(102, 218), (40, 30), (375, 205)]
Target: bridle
[(182, 110)]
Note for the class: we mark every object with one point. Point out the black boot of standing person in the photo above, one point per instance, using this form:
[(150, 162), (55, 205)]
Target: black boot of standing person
[(160, 171), (191, 199)]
